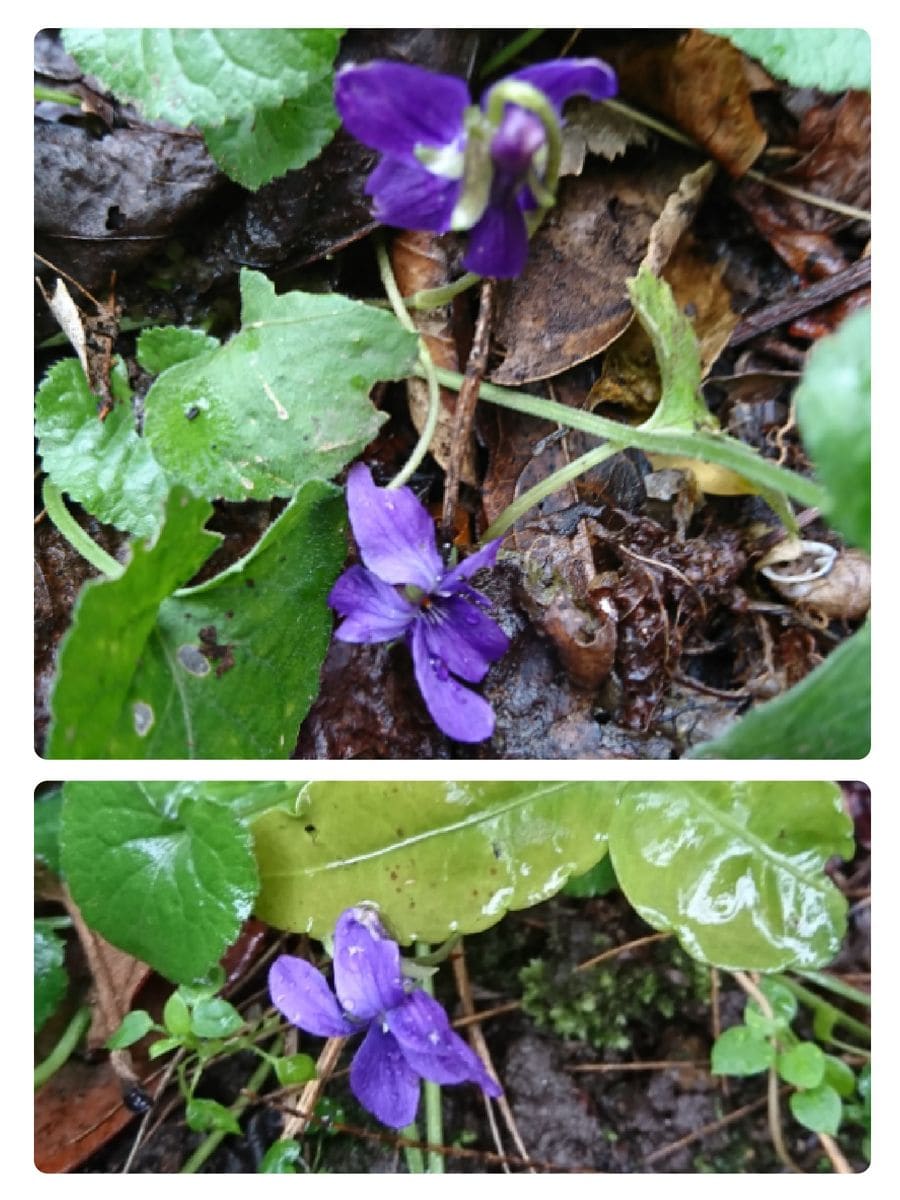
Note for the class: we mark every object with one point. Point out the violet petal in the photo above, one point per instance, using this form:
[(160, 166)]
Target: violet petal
[(430, 1046), (300, 994), (407, 195), (460, 713), (498, 244), (367, 975), (383, 1081), (518, 139), (485, 557), (394, 532), (394, 107), (565, 77), (374, 611), (463, 636)]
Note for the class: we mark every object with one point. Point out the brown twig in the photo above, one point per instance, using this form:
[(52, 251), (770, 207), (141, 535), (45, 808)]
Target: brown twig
[(664, 1064), (298, 1119), (696, 1134), (616, 950), (465, 404), (857, 276)]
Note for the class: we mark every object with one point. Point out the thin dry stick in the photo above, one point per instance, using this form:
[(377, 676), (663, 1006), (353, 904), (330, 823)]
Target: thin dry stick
[(480, 1046), (775, 1132), (616, 950), (833, 1150), (465, 403), (296, 1123), (664, 1064), (695, 1135)]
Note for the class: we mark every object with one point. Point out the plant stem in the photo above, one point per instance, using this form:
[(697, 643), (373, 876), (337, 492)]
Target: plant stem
[(214, 1139), (551, 484), (62, 1051), (830, 984), (434, 1116), (819, 1005), (437, 297), (56, 96), (415, 1161), (75, 535), (509, 51), (707, 447)]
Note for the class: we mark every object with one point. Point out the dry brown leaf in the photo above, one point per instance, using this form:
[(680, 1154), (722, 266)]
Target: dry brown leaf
[(594, 127), (420, 261), (699, 83), (572, 301)]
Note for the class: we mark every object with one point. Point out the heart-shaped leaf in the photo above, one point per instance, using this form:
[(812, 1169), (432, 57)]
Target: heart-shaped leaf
[(437, 858), (736, 869)]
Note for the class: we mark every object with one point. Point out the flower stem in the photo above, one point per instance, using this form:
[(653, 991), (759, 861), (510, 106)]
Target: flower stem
[(56, 96), (415, 1161), (62, 1051), (426, 365), (526, 95), (822, 1007), (75, 535), (439, 296), (214, 1139), (546, 487), (434, 1116)]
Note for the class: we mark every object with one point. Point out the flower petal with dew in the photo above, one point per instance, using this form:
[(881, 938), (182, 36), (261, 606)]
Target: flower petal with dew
[(408, 1035)]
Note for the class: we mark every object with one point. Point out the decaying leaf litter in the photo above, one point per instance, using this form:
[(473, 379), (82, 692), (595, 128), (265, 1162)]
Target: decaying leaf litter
[(640, 626)]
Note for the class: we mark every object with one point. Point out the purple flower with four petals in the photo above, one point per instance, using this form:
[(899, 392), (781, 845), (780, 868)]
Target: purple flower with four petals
[(405, 589), (408, 1035), (447, 164)]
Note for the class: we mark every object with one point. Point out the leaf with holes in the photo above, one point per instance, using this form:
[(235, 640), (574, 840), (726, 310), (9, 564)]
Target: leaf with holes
[(438, 858), (736, 869), (227, 669), (284, 401), (167, 876)]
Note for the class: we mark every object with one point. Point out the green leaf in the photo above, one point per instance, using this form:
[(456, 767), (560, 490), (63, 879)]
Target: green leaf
[(214, 1017), (599, 880), (112, 624), (204, 76), (227, 669), (839, 1076), (829, 59), (286, 400), (736, 870), (784, 1008), (203, 1115), (741, 1051), (826, 715), (135, 1025), (681, 407), (259, 146), (164, 1046), (803, 1065), (438, 858), (47, 813), (164, 346), (818, 1109), (50, 978), (280, 1157), (295, 1068), (834, 414), (177, 1016), (168, 880), (103, 465)]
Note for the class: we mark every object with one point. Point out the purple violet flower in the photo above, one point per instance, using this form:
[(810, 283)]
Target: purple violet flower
[(447, 164), (437, 611), (408, 1035)]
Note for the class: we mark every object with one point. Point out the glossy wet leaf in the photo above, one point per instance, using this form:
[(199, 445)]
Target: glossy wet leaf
[(204, 76), (103, 465), (834, 414), (741, 1051), (736, 870), (438, 858), (599, 880), (280, 1157), (227, 669), (819, 1109), (295, 1068), (135, 1025), (829, 59), (204, 1115), (258, 146), (213, 1017), (169, 878), (826, 715), (284, 401), (50, 978)]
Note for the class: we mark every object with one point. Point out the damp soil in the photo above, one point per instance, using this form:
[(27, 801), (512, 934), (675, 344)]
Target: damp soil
[(151, 227), (605, 1070)]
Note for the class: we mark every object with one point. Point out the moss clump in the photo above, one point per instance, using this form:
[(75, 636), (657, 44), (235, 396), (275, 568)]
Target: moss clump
[(605, 1006)]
